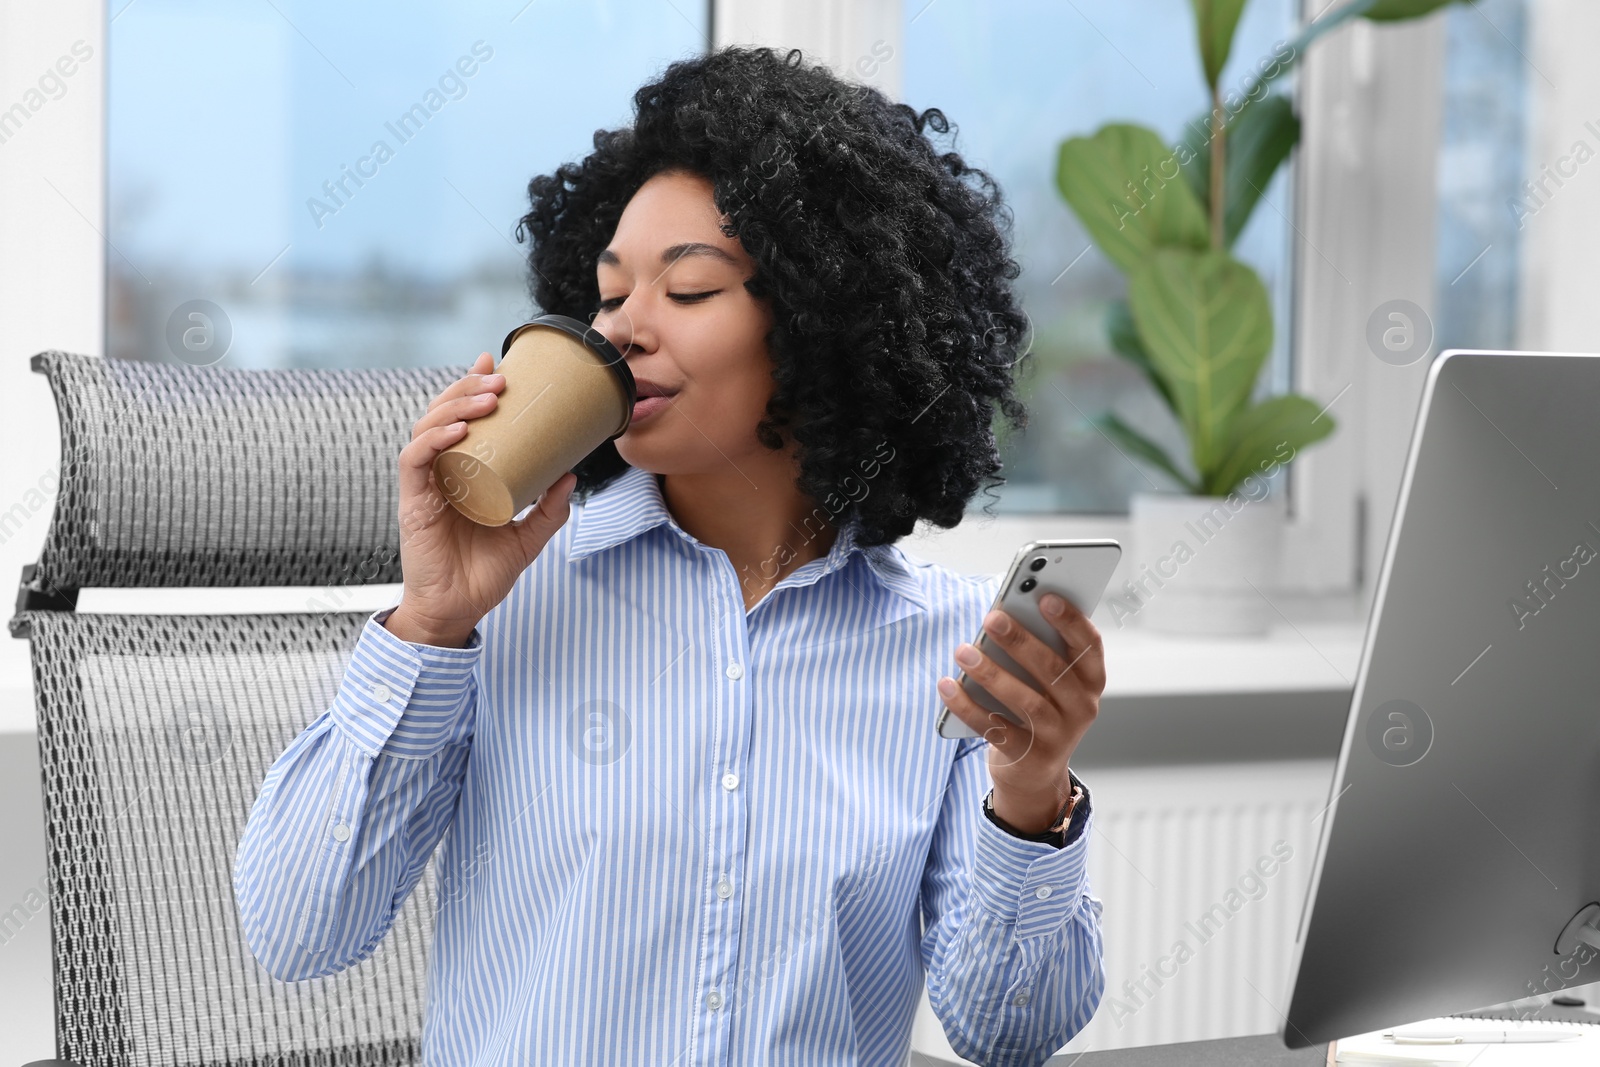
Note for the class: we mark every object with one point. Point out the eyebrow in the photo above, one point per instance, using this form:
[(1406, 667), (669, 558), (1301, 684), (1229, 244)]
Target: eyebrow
[(673, 253)]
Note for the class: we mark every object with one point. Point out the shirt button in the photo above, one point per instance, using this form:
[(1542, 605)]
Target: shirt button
[(1042, 892), (735, 671), (730, 781), (1021, 998), (341, 832), (724, 887), (381, 694), (713, 1000)]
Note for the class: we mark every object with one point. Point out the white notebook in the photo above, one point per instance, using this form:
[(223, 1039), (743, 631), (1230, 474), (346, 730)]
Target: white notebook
[(1373, 1048)]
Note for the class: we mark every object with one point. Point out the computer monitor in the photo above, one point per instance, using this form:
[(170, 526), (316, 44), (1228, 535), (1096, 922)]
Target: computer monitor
[(1458, 864)]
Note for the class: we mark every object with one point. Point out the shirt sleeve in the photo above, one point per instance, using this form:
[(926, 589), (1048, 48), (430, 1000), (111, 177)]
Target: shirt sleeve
[(1012, 940), (351, 811)]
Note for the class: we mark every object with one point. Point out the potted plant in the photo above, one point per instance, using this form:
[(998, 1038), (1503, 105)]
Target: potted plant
[(1198, 324)]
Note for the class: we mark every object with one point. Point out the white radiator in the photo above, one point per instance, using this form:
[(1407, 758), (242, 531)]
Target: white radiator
[(1173, 858)]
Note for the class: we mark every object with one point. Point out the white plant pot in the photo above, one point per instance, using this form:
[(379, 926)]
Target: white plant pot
[(1204, 565)]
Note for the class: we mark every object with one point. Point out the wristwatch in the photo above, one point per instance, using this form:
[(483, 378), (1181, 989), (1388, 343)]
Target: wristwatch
[(1068, 819)]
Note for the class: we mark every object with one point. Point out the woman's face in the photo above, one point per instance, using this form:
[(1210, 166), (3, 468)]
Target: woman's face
[(673, 301)]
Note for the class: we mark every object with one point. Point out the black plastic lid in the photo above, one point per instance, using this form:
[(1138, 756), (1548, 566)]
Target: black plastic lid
[(596, 341)]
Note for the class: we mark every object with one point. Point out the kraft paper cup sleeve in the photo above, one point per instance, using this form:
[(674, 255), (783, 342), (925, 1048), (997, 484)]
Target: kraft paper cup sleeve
[(571, 383)]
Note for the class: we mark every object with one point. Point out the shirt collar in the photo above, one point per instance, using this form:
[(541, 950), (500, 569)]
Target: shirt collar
[(632, 504)]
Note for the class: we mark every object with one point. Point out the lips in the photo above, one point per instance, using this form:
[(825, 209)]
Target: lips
[(647, 406), (644, 388)]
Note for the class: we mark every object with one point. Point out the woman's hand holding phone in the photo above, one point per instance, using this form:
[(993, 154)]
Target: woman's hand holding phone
[(1028, 762)]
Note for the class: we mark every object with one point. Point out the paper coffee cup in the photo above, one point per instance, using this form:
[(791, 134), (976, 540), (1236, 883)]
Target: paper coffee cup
[(568, 391)]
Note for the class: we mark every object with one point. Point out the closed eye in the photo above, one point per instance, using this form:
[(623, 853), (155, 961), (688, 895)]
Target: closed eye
[(683, 298)]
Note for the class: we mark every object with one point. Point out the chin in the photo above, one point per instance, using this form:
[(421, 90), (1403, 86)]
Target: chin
[(644, 458)]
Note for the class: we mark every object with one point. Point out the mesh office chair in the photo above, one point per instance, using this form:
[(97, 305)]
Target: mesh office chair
[(155, 731)]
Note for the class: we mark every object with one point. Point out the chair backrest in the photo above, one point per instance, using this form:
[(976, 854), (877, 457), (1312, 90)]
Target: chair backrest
[(156, 731)]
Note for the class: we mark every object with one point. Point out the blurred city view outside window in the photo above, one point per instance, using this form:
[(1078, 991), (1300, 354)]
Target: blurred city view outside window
[(343, 181), (1483, 164)]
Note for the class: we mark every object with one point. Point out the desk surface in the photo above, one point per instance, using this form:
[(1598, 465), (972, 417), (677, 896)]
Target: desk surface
[(1261, 1050), (1265, 1050)]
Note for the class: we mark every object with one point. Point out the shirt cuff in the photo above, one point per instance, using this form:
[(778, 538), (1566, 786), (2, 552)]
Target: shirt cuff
[(402, 698), (1032, 884)]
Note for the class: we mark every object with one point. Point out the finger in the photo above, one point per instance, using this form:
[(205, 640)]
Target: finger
[(550, 511), (1049, 670), (471, 382), (416, 458), (1086, 651), (480, 366), (1011, 740), (462, 408), (1025, 703), (470, 386)]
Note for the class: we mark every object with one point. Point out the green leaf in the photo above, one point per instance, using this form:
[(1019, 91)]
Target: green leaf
[(1268, 434), (1214, 22), (1259, 138), (1128, 439), (1124, 337), (1123, 185), (1206, 322), (1394, 10)]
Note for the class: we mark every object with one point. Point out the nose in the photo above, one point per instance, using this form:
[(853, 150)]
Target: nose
[(626, 331), (611, 333)]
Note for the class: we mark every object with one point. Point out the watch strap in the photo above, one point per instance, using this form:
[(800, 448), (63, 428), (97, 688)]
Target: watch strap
[(1072, 813)]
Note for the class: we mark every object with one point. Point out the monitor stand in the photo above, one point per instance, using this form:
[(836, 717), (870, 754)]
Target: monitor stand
[(1582, 928)]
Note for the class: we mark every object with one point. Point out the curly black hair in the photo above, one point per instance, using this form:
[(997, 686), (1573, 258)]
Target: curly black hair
[(894, 322)]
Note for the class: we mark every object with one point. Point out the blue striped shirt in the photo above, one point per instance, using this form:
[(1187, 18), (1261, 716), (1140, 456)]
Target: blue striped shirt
[(676, 831)]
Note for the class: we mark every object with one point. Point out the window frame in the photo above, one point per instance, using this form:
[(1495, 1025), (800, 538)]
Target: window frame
[(1370, 99)]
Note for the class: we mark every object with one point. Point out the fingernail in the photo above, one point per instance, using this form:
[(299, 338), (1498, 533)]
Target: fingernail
[(967, 656), (1052, 604), (997, 623), (493, 379), (947, 687)]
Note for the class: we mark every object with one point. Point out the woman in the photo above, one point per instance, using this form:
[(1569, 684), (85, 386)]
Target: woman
[(681, 750)]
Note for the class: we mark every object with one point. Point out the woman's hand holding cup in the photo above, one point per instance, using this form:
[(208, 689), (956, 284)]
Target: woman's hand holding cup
[(456, 570)]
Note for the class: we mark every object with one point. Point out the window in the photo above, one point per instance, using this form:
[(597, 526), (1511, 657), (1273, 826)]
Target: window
[(1014, 86), (215, 124), (342, 182), (1483, 161)]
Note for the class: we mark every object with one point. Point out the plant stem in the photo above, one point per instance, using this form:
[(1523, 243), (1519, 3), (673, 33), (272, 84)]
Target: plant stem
[(1329, 20), (1218, 148)]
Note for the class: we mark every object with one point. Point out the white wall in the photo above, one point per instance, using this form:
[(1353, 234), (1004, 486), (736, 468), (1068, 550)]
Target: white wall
[(52, 261)]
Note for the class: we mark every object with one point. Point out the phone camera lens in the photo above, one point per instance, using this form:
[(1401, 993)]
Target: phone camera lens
[(1027, 584), (1037, 564)]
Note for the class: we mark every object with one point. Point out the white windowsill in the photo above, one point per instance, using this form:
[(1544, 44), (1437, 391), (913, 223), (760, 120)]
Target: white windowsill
[(1304, 656), (1316, 648)]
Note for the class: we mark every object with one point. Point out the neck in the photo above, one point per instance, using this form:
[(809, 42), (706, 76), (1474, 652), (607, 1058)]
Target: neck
[(758, 517)]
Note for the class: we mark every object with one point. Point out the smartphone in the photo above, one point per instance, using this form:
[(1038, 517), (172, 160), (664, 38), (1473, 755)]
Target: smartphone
[(1078, 570)]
